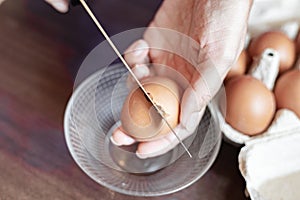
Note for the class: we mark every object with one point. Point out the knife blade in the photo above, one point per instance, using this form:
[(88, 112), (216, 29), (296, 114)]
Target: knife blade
[(157, 108)]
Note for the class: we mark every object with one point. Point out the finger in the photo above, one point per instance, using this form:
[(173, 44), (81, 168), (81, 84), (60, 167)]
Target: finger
[(137, 58), (160, 146), (137, 53), (154, 148), (60, 5), (165, 144), (140, 71), (119, 138), (192, 108)]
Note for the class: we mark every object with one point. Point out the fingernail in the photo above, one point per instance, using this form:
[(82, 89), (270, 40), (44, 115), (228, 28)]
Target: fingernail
[(60, 6), (139, 48), (141, 71), (122, 140), (114, 142), (141, 155), (128, 141)]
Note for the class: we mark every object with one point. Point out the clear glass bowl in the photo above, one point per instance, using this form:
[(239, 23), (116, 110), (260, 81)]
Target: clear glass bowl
[(93, 111)]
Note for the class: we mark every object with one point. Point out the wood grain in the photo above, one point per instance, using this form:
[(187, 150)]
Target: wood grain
[(40, 52)]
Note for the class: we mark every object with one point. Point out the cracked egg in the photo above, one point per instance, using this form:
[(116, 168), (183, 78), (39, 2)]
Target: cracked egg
[(140, 119)]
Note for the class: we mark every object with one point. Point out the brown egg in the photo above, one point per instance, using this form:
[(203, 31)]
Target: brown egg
[(240, 67), (287, 91), (140, 119), (277, 41), (250, 105)]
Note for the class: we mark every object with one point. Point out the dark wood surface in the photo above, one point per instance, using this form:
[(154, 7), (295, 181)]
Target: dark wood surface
[(40, 52)]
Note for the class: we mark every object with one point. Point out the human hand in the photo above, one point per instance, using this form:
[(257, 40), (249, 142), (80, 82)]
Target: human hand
[(60, 5), (200, 39)]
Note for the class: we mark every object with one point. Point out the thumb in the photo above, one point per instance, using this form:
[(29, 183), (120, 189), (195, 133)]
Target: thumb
[(192, 108)]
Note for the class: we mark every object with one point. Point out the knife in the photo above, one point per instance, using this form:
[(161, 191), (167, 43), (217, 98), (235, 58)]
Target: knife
[(157, 108)]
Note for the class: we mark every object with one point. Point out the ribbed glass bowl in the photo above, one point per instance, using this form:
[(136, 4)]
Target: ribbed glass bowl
[(93, 110)]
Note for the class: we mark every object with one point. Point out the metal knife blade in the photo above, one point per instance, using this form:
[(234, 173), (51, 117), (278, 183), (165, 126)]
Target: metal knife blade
[(160, 112)]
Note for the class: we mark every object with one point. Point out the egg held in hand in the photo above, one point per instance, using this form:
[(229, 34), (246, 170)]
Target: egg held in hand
[(250, 105), (287, 91), (140, 119)]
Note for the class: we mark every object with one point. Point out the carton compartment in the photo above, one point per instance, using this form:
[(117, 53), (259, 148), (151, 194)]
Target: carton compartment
[(271, 167)]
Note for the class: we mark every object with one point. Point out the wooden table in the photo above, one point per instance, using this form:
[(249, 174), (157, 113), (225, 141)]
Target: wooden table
[(40, 52)]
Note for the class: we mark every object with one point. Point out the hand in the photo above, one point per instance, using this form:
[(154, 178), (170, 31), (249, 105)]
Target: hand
[(60, 5), (201, 39)]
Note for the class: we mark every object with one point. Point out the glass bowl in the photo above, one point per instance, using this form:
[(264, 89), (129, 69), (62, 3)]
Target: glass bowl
[(92, 113)]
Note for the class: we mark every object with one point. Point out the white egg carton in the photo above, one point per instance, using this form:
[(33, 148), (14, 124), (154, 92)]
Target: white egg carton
[(270, 162)]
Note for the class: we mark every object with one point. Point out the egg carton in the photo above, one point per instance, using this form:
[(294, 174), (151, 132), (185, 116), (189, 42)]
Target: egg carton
[(269, 162), (271, 167)]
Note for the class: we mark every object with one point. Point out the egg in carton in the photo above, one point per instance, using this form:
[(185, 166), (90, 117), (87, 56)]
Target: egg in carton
[(273, 155), (269, 161), (266, 67), (266, 70)]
